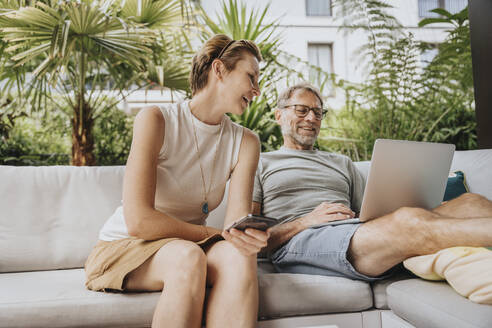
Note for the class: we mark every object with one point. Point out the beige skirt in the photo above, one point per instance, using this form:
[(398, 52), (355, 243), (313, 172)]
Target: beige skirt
[(110, 261)]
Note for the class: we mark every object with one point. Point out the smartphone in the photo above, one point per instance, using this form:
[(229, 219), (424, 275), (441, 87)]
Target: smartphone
[(257, 222)]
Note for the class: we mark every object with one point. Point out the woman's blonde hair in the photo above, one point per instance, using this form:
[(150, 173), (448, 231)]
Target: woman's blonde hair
[(220, 47)]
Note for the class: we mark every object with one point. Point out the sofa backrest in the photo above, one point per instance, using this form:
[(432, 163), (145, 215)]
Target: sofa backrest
[(50, 216), (477, 166)]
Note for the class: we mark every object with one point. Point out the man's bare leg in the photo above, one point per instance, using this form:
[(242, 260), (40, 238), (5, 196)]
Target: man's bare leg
[(380, 244), (466, 206)]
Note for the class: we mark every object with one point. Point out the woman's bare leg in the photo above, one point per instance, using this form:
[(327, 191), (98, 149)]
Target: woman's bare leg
[(179, 269), (233, 299)]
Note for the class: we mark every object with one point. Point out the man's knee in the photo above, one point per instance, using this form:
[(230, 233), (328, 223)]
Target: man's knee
[(472, 198), (362, 253), (411, 215)]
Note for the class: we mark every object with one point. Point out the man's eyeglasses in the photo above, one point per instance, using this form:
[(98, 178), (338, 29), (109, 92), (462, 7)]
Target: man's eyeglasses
[(303, 110)]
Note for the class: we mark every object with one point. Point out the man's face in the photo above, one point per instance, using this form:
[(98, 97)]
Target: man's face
[(299, 132)]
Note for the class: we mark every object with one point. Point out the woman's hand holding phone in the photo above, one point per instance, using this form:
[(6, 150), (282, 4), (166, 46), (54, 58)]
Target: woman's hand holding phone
[(253, 221), (249, 241)]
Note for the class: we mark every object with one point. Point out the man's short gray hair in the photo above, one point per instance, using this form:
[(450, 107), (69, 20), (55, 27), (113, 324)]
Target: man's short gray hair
[(285, 95)]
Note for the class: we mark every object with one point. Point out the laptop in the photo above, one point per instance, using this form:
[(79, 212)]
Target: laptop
[(403, 173)]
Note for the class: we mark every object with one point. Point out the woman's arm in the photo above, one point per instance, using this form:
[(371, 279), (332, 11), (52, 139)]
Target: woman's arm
[(250, 241), (142, 219)]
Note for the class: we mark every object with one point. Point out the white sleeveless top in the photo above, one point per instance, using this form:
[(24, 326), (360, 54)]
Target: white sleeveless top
[(179, 188)]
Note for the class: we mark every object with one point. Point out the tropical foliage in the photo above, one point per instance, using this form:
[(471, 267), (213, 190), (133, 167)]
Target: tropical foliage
[(401, 99), (83, 49), (43, 138)]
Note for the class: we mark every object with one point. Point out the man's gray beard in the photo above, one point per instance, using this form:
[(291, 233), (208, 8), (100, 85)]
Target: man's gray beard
[(304, 141)]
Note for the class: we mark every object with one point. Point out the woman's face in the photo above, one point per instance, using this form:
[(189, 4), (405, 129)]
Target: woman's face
[(240, 85)]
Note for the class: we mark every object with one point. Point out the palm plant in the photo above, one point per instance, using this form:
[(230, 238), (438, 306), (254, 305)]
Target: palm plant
[(239, 22), (82, 49)]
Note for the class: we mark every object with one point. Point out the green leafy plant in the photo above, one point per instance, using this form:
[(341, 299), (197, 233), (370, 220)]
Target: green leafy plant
[(82, 49), (37, 139), (401, 99), (113, 136), (42, 138)]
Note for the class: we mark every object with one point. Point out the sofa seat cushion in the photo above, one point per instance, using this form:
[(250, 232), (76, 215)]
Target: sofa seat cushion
[(436, 305), (286, 294), (59, 299), (283, 295), (379, 289)]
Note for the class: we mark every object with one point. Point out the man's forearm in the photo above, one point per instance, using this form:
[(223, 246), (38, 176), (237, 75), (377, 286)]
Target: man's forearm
[(282, 233)]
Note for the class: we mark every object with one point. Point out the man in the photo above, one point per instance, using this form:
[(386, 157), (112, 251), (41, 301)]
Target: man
[(304, 187)]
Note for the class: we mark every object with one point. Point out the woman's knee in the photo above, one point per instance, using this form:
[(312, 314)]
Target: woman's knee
[(184, 259), (226, 259)]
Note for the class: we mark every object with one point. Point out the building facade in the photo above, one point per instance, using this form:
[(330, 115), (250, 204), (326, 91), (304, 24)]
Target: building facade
[(312, 30)]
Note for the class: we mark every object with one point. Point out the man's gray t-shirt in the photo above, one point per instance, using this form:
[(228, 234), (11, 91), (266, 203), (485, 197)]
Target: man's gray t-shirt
[(291, 183)]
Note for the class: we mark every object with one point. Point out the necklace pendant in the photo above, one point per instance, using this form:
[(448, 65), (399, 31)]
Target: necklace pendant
[(205, 208)]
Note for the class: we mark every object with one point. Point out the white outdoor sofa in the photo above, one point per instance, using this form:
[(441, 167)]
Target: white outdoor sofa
[(50, 218)]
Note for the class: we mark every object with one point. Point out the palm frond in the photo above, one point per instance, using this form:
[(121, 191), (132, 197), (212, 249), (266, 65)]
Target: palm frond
[(238, 21)]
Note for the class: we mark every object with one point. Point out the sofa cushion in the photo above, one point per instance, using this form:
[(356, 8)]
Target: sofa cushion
[(435, 305), (476, 164), (286, 294), (379, 288), (50, 216), (59, 299), (363, 167), (283, 294)]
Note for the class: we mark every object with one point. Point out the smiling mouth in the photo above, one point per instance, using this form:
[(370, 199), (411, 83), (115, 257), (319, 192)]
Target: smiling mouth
[(246, 100), (306, 128)]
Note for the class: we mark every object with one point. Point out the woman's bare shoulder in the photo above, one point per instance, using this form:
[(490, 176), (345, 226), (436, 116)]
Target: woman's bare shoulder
[(149, 126), (250, 137), (150, 114), (250, 146)]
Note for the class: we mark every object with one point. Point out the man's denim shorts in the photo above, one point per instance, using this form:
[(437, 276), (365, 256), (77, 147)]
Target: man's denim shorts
[(320, 251)]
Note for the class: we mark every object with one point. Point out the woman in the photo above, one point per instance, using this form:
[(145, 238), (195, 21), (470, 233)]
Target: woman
[(180, 159)]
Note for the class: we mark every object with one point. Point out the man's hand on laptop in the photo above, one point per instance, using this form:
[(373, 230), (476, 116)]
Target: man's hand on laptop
[(326, 212)]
